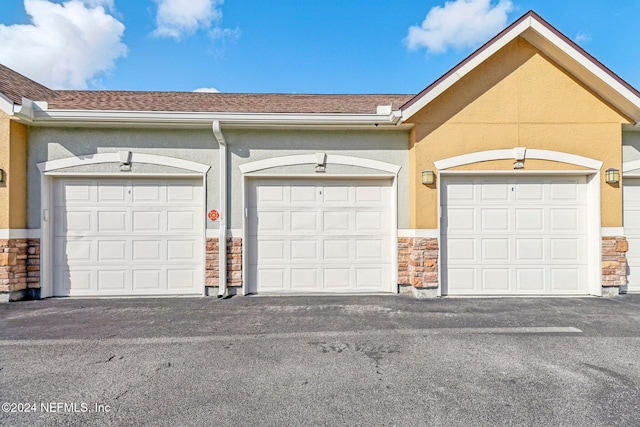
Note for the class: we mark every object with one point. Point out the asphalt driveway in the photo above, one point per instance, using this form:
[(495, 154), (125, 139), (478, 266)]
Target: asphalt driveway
[(370, 360)]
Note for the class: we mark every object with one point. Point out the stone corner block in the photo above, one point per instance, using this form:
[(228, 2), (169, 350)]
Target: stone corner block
[(611, 291), (424, 293)]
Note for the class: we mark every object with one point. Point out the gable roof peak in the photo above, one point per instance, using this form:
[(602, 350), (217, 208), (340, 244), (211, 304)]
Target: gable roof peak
[(555, 45)]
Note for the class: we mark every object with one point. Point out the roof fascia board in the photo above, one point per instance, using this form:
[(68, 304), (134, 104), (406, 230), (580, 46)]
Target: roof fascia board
[(193, 119)]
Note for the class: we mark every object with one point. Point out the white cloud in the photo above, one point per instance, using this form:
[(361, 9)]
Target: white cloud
[(224, 33), (66, 45), (176, 18), (459, 24), (108, 4), (207, 89), (582, 38)]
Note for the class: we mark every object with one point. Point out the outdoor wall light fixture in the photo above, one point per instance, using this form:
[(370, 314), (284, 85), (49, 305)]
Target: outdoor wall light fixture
[(612, 176), (428, 177), (1, 175)]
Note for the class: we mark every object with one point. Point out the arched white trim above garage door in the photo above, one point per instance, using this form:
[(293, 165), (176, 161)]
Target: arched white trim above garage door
[(92, 159), (304, 159), (518, 153)]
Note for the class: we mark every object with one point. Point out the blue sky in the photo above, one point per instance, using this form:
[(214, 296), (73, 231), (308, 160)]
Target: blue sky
[(285, 46)]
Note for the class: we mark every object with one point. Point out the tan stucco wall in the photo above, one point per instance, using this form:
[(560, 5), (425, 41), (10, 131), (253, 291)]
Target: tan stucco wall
[(13, 160), (517, 98)]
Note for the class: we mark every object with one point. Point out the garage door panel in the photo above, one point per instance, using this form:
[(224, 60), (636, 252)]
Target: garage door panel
[(304, 194), (460, 220), (144, 250), (111, 279), (337, 277), (112, 250), (180, 193), (146, 279), (82, 280), (80, 191), (304, 250), (75, 251), (462, 191), (493, 219), (146, 192), (271, 222), (111, 193), (512, 248), (326, 232), (305, 278), (463, 278), (272, 249), (336, 221), (271, 193), (530, 249), (367, 194), (70, 222), (564, 191), (461, 249), (530, 219), (271, 278), (181, 221), (147, 221), (303, 221), (632, 219), (339, 249), (492, 191), (564, 220), (112, 221), (565, 280), (369, 277), (495, 280), (179, 279), (105, 246), (530, 280), (567, 249), (495, 249), (529, 191), (182, 250), (337, 194), (369, 249)]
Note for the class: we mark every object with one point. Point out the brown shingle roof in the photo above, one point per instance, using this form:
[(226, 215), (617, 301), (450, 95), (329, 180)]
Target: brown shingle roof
[(223, 102), (15, 86)]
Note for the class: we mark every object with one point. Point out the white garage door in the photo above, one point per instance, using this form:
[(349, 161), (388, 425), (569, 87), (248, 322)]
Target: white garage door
[(128, 237), (514, 236), (320, 236), (631, 189)]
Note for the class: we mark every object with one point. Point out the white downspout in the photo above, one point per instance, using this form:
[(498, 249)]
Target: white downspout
[(222, 238)]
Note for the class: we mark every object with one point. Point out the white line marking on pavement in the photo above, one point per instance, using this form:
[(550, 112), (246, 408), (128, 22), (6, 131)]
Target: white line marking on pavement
[(290, 335)]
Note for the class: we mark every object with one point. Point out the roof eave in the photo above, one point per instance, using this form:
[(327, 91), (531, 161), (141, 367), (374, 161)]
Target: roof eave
[(166, 119)]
